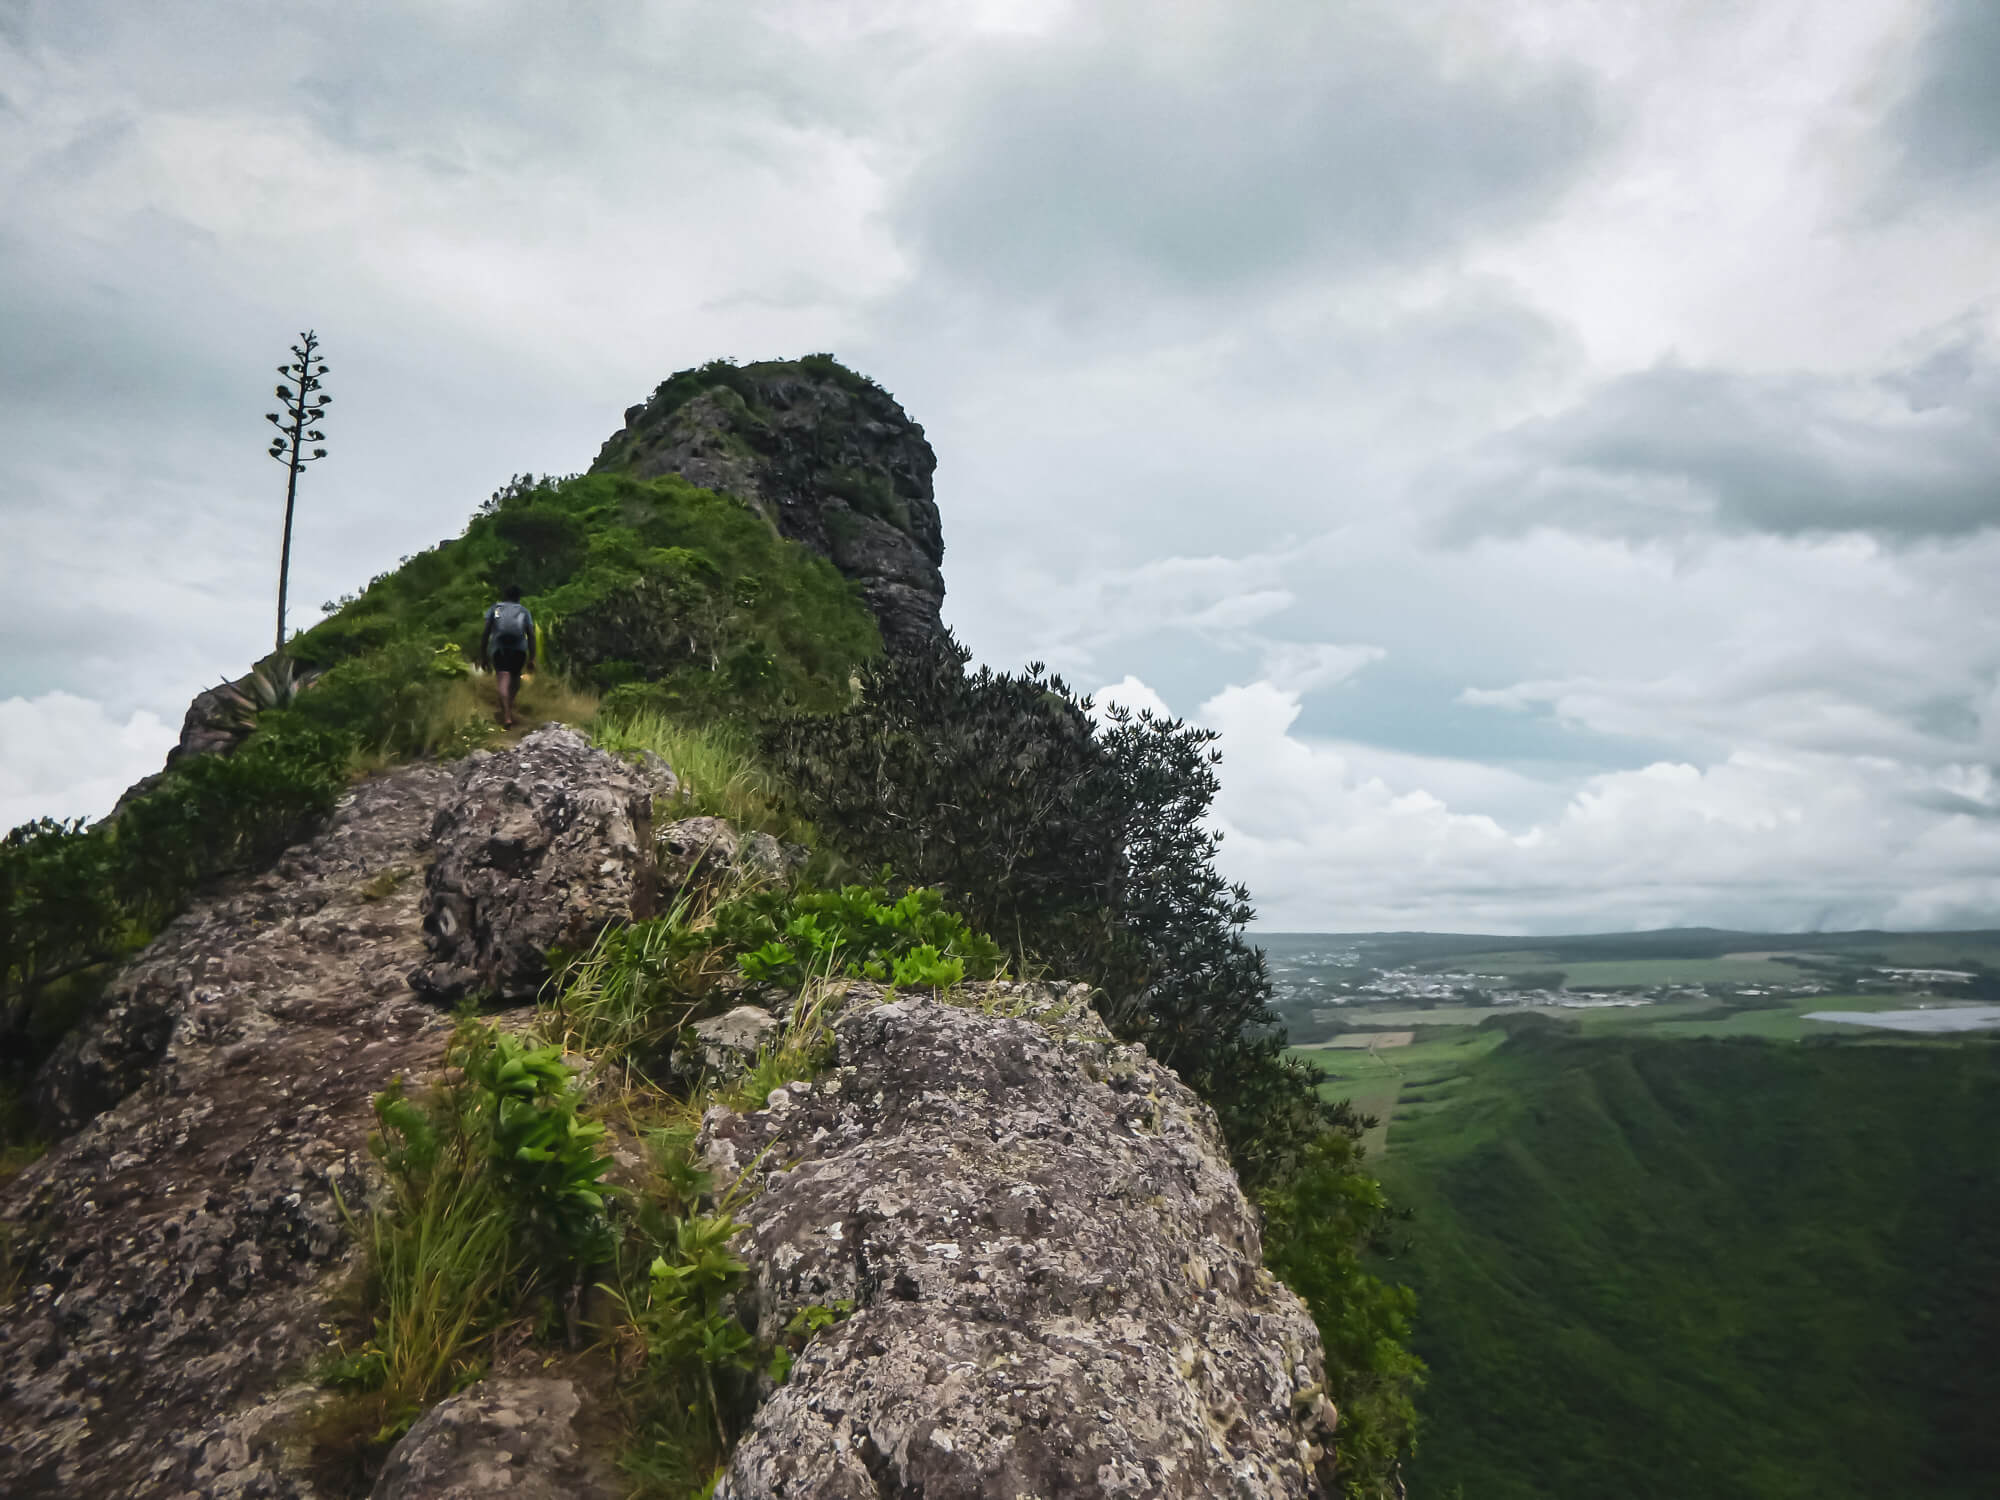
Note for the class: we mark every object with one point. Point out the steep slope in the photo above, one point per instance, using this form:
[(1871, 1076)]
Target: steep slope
[(1731, 1269)]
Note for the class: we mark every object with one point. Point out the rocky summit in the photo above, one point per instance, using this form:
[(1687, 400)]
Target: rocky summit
[(1049, 1279), (827, 455)]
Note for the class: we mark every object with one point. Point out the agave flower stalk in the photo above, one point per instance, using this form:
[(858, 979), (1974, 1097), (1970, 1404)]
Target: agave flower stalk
[(297, 423)]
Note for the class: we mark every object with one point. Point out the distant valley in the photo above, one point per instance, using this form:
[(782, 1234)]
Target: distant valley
[(1674, 1230)]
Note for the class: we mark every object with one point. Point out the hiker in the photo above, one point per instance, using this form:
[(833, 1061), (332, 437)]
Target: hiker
[(507, 646)]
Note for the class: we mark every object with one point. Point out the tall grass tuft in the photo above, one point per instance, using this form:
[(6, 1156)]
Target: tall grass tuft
[(720, 771), (442, 1254)]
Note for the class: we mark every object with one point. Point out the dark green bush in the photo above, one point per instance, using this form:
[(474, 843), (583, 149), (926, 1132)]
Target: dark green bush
[(59, 916), (1317, 1224), (1081, 847), (215, 815)]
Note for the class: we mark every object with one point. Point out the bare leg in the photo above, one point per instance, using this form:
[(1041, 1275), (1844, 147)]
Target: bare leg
[(508, 683)]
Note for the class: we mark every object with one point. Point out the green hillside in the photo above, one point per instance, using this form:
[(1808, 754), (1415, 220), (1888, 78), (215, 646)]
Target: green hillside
[(1707, 1268)]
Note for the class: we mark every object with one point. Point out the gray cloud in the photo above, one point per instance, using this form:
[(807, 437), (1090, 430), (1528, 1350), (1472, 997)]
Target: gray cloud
[(1946, 126), (1210, 148), (1909, 452)]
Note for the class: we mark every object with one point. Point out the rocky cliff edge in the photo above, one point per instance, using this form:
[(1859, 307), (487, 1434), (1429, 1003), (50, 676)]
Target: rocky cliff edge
[(1055, 1280)]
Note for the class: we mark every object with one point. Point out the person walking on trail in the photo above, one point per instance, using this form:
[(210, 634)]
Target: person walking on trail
[(508, 646)]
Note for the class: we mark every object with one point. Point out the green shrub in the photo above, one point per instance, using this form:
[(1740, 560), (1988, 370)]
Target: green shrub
[(862, 932), (691, 1338), (214, 815), (441, 1257), (73, 898), (59, 916), (1084, 847), (1317, 1225), (544, 1155), (494, 1194)]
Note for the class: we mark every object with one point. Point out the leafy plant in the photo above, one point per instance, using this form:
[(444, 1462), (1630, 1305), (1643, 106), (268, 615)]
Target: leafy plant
[(690, 1337), (441, 1254), (859, 931), (546, 1158), (493, 1190)]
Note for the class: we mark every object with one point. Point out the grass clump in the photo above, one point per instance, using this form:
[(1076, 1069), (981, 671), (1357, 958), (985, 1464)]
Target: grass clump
[(494, 1200), (716, 762)]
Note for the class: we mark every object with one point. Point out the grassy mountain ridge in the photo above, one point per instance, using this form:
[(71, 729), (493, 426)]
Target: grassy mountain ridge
[(1727, 1269)]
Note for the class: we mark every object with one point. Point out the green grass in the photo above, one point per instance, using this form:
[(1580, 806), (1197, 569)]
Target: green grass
[(717, 764), (1657, 1268)]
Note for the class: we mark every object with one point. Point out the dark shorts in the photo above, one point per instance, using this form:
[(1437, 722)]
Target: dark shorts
[(509, 661)]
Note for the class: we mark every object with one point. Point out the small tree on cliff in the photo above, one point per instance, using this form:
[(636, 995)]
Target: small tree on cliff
[(297, 423)]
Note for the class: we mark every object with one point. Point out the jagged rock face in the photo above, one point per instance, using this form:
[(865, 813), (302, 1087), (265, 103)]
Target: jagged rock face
[(536, 847), (502, 1437), (1056, 1280), (174, 1254), (834, 462)]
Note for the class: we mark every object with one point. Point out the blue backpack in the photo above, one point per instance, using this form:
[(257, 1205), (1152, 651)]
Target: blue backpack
[(511, 624)]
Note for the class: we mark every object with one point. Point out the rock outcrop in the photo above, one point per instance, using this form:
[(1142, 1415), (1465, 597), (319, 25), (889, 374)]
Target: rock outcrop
[(512, 1438), (536, 848), (173, 1256), (1056, 1282), (829, 457), (1053, 1280)]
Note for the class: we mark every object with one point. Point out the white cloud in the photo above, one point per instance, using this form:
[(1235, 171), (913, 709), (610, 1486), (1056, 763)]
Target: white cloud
[(1204, 360), (1331, 838), (62, 756)]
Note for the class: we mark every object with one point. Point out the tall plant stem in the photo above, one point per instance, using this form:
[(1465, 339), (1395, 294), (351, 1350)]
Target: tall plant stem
[(285, 553)]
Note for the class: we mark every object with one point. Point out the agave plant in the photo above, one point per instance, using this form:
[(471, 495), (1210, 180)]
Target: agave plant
[(275, 683)]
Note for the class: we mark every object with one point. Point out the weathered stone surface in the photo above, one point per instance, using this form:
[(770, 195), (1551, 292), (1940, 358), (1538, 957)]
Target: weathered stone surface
[(501, 1437), (731, 1041), (1056, 1280), (538, 845), (835, 463), (215, 723), (693, 850), (175, 1254)]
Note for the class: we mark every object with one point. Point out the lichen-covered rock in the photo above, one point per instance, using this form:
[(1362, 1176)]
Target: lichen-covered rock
[(501, 1437), (176, 1254), (831, 458), (539, 845), (730, 1042), (1056, 1280), (694, 850)]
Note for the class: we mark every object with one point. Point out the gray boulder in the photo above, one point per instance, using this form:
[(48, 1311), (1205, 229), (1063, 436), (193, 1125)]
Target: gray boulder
[(1056, 1280), (501, 1437), (695, 850), (731, 1042), (537, 846)]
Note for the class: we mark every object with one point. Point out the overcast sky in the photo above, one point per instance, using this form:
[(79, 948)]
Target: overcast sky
[(1556, 443)]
